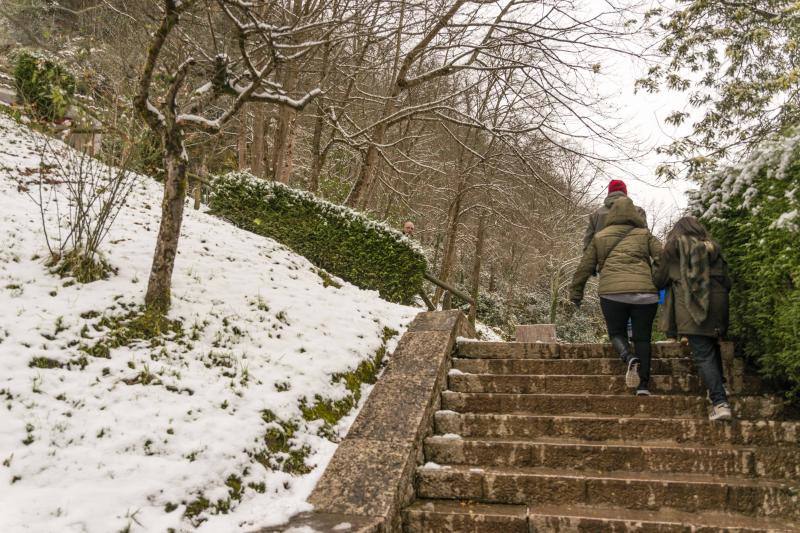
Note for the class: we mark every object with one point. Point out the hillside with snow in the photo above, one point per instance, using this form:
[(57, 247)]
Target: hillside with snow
[(127, 440)]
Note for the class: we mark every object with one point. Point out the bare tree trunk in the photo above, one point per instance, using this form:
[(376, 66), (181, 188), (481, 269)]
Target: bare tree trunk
[(285, 133), (449, 254), (317, 158), (159, 285), (259, 123), (283, 171), (241, 141), (368, 166), (476, 268), (198, 185)]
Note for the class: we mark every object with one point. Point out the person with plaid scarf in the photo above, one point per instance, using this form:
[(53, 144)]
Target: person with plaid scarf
[(693, 267)]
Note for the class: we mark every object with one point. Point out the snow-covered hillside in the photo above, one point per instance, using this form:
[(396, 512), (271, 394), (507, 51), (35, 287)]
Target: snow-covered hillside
[(103, 444)]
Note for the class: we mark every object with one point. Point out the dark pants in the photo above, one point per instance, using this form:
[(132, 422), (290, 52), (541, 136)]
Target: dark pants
[(617, 315), (708, 361)]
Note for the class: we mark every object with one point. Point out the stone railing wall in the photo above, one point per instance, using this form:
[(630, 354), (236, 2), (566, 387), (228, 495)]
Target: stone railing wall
[(370, 478)]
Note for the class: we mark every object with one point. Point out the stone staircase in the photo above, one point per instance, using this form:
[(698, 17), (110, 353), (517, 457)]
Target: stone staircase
[(545, 437)]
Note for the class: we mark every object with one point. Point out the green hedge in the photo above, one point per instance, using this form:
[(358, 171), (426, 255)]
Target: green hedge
[(754, 211), (343, 242), (43, 84)]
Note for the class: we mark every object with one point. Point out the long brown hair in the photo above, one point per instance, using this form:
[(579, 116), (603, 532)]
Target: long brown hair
[(689, 226)]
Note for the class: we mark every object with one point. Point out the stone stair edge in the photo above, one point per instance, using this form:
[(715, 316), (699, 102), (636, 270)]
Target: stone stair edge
[(610, 515), (625, 476), (443, 438)]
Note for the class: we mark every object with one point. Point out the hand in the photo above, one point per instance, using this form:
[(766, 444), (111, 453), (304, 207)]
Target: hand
[(576, 302)]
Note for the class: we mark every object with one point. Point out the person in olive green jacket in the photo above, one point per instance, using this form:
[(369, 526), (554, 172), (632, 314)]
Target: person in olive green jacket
[(692, 265), (623, 253)]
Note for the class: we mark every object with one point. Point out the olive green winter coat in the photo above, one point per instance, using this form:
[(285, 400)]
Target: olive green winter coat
[(628, 268), (668, 274)]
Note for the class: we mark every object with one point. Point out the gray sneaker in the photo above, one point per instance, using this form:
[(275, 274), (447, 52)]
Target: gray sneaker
[(642, 392), (721, 411), (632, 379)]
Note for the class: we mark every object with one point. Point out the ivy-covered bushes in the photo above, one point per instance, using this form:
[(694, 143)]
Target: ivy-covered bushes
[(753, 210), (43, 84), (343, 242)]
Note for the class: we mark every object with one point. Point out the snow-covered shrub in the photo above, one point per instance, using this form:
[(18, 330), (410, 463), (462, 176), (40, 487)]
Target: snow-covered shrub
[(79, 199), (343, 242), (752, 210), (44, 84)]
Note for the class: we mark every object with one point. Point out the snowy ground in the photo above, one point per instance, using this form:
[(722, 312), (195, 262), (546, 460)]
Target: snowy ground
[(83, 450)]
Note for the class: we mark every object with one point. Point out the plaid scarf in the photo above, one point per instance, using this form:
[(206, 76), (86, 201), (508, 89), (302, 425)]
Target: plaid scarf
[(695, 277)]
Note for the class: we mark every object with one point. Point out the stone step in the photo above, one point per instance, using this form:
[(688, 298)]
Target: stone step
[(600, 366), (446, 516), (747, 407), (647, 491), (443, 516), (593, 428), (564, 519), (568, 384), (772, 463), (542, 350)]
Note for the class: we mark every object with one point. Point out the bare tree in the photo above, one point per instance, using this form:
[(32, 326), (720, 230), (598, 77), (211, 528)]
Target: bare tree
[(217, 79)]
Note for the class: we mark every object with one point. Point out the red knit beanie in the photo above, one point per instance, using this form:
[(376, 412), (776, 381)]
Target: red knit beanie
[(617, 185)]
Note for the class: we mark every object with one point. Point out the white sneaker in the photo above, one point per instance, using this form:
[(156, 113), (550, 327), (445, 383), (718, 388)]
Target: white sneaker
[(642, 392), (721, 412), (632, 379)]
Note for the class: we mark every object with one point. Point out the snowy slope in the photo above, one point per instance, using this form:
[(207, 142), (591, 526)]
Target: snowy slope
[(82, 450)]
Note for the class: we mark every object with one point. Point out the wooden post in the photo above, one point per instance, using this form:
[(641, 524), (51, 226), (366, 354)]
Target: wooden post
[(536, 333)]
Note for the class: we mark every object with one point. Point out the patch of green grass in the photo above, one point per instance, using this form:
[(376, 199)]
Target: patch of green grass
[(202, 504), (15, 289), (136, 326), (194, 508), (259, 487), (279, 453), (29, 438), (81, 267), (44, 362), (331, 411), (327, 280), (145, 377)]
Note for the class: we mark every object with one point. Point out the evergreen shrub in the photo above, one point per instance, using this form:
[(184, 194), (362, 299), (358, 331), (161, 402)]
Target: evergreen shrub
[(44, 84), (753, 211), (335, 238)]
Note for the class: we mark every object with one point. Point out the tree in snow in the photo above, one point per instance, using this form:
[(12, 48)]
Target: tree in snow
[(739, 63), (188, 84)]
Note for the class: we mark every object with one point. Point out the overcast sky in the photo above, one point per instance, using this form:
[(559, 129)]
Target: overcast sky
[(640, 118), (642, 115)]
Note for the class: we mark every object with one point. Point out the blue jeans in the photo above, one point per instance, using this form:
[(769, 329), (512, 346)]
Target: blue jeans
[(706, 358)]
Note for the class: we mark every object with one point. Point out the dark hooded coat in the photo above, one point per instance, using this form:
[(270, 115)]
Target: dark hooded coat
[(668, 275)]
